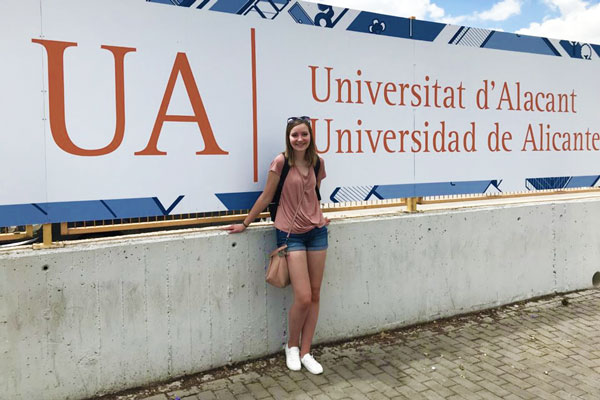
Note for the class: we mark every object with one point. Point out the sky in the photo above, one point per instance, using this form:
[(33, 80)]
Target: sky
[(575, 20)]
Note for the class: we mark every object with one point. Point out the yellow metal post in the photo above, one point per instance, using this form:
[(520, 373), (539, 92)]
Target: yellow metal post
[(411, 204), (64, 228), (47, 234), (47, 239)]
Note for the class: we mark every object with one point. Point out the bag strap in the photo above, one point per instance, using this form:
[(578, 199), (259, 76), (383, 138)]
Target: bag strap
[(275, 202), (317, 168), (284, 173)]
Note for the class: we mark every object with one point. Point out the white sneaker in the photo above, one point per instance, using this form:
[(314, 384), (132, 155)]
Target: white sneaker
[(292, 358), (311, 364)]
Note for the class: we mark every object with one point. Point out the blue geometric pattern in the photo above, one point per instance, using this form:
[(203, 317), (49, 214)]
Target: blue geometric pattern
[(435, 189), (299, 15), (238, 200), (474, 37), (353, 193), (268, 9), (182, 3), (245, 200), (91, 210), (578, 50), (583, 181), (396, 26), (230, 6), (70, 211), (561, 182), (521, 43), (380, 24), (381, 192)]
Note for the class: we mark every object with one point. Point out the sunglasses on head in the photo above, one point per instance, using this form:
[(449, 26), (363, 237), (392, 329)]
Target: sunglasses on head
[(302, 118)]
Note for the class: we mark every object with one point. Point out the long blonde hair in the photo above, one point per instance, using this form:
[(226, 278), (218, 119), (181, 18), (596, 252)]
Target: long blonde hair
[(311, 152)]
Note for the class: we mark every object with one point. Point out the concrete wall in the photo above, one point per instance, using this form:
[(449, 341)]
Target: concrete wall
[(92, 318)]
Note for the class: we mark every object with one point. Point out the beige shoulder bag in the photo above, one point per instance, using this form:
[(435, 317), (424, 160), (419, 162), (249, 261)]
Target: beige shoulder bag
[(278, 274)]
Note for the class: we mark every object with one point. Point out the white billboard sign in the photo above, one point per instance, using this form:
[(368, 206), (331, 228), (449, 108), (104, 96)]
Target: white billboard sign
[(128, 108)]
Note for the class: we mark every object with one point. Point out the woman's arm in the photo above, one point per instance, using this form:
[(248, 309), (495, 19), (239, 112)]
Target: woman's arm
[(261, 203)]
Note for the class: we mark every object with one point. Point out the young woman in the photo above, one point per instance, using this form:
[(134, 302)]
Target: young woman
[(307, 243)]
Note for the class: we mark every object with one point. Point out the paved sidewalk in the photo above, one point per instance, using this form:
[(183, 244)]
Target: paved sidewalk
[(546, 349)]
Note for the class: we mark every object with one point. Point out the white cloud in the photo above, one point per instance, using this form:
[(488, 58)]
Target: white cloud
[(427, 9), (421, 9), (578, 22), (566, 7), (458, 20), (435, 11), (502, 10)]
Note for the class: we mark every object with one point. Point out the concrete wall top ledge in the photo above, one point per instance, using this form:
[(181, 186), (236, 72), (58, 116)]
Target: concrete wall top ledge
[(348, 217)]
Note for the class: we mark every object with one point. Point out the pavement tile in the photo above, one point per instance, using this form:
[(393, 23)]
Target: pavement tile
[(334, 393), (206, 395), (318, 379), (287, 383), (298, 395), (464, 385), (343, 372), (567, 395), (521, 393), (157, 397), (354, 393), (371, 368), (183, 393), (245, 377), (258, 391), (534, 350), (308, 386), (267, 381), (409, 393), (237, 388), (224, 394), (215, 385), (278, 392), (244, 396), (520, 383), (490, 396), (431, 395), (321, 397), (438, 388)]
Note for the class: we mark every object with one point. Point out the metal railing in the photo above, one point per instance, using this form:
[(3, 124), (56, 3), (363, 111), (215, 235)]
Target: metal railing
[(146, 224), (16, 233)]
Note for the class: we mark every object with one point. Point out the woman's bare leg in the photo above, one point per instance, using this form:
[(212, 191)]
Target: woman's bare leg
[(301, 284), (316, 267)]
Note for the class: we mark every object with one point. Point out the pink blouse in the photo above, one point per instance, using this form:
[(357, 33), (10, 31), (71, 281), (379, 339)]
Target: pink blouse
[(309, 215)]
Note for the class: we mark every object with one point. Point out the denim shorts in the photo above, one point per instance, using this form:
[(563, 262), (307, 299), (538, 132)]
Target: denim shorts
[(313, 240)]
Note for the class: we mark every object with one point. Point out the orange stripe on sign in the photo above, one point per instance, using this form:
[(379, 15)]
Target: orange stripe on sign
[(254, 105)]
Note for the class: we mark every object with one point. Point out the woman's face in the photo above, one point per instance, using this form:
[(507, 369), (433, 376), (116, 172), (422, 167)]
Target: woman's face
[(300, 137)]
